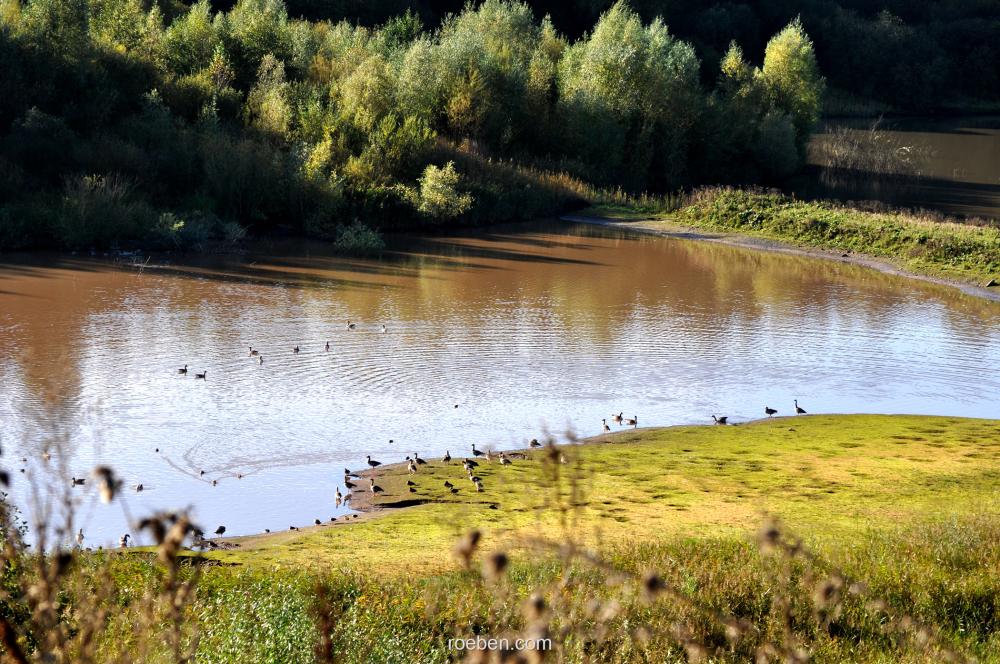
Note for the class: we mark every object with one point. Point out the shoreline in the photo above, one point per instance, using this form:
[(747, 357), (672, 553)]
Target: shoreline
[(679, 231)]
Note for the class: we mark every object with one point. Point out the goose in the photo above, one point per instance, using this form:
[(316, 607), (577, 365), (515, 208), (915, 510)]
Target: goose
[(79, 538), (799, 411), (448, 484), (410, 483), (215, 482), (720, 420), (469, 463), (295, 350), (606, 427), (479, 487), (348, 473), (254, 353), (184, 370), (384, 330), (201, 375), (138, 488), (267, 530), (327, 346), (260, 360), (317, 521), (617, 419), (769, 411), (350, 325), (375, 488), (476, 452), (123, 541), (411, 467), (534, 443), (372, 462), (201, 473), (221, 530), (348, 497), (338, 498), (447, 456), (418, 460), (489, 455), (78, 481), (504, 461), (349, 485), (632, 421)]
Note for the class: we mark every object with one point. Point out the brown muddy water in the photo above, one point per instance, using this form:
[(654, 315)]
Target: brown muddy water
[(952, 165), (543, 325)]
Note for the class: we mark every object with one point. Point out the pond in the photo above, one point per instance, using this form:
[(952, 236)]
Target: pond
[(952, 164), (491, 338)]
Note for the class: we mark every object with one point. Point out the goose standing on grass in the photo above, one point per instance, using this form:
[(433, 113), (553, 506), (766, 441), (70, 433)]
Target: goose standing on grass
[(799, 411), (202, 375), (770, 411), (720, 420), (417, 460), (632, 421), (79, 538), (534, 443), (447, 457), (254, 353), (123, 541), (372, 462), (410, 465), (375, 488), (606, 427), (221, 530), (475, 452), (184, 370), (504, 461)]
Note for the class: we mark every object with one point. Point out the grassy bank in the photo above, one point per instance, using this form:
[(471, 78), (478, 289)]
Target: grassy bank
[(638, 546), (920, 244)]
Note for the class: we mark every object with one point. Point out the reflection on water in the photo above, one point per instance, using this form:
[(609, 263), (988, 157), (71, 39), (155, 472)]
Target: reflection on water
[(523, 327), (957, 161)]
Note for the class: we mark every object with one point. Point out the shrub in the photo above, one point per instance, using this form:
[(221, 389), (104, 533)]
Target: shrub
[(359, 239), (439, 195)]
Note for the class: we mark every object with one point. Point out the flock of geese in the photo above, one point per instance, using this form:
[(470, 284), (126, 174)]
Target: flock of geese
[(413, 462), (254, 352)]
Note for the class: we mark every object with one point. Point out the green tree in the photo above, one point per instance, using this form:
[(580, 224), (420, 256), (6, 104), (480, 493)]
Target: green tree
[(792, 79), (439, 194)]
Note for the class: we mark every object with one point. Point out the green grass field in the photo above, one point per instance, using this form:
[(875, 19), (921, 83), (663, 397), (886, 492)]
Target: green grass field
[(829, 478)]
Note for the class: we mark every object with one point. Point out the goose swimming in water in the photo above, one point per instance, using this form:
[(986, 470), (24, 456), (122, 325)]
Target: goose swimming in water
[(632, 421), (350, 325), (327, 346), (295, 350), (617, 419), (201, 375), (253, 352), (184, 370)]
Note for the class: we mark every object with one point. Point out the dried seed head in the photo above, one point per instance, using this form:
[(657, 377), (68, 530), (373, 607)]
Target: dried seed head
[(534, 608), (827, 592), (107, 484), (154, 525), (769, 537), (495, 565), (466, 547), (652, 585)]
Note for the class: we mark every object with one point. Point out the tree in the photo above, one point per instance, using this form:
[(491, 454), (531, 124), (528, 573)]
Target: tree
[(792, 79), (439, 195)]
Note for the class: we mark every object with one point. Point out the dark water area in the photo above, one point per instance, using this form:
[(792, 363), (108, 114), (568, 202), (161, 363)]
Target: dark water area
[(955, 166), (526, 328)]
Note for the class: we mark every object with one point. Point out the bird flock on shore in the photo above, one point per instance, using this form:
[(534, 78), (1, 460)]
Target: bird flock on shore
[(413, 462)]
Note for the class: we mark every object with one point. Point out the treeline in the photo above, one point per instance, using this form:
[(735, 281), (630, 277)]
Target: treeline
[(173, 125), (914, 55)]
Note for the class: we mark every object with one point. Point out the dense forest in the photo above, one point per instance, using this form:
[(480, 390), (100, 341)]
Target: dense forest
[(170, 125), (159, 124)]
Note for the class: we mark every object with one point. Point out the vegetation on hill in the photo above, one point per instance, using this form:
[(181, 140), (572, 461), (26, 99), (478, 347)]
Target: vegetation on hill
[(170, 125), (648, 545)]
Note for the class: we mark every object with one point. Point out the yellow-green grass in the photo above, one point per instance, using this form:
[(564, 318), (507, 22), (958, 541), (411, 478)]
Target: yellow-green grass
[(915, 242), (830, 478)]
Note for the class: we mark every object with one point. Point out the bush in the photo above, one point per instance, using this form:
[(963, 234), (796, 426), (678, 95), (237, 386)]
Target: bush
[(359, 240), (439, 195)]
